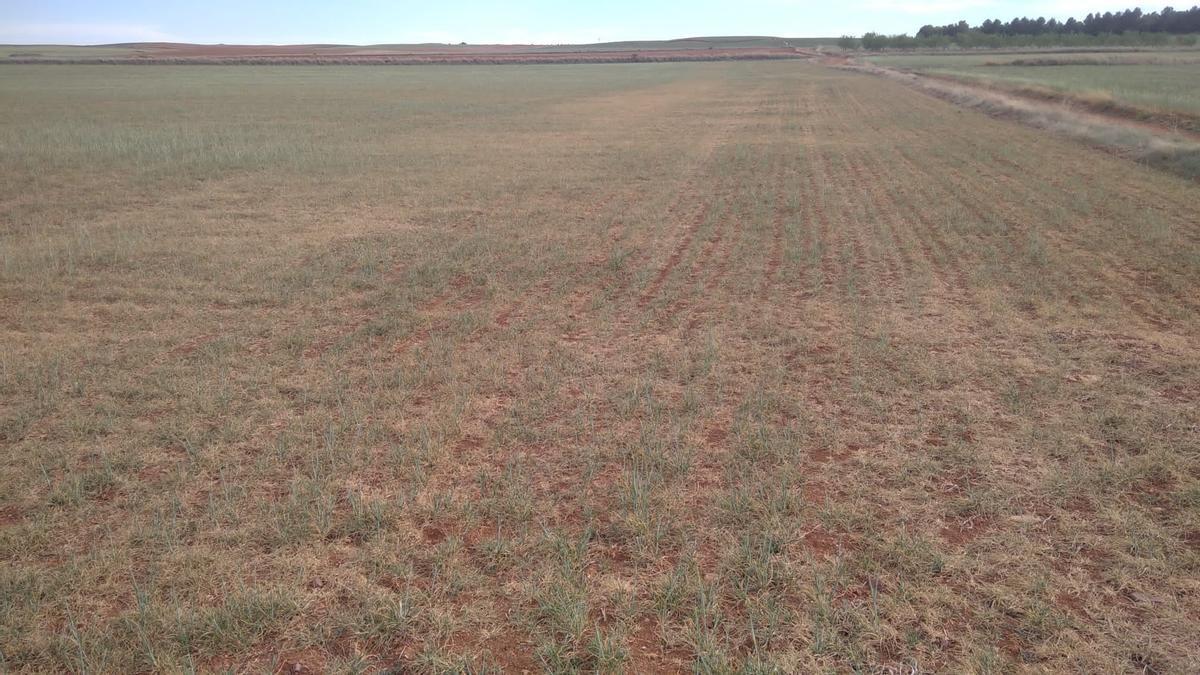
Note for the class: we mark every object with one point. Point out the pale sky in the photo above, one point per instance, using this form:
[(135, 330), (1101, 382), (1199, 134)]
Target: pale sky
[(476, 21)]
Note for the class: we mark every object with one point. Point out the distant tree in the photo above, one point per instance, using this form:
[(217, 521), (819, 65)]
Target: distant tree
[(1129, 27), (1148, 28), (848, 43), (874, 41)]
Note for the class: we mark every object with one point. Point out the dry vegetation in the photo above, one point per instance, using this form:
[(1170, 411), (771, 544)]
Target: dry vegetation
[(1156, 87), (1155, 139), (690, 367)]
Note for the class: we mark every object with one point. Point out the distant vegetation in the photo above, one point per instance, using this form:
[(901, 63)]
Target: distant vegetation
[(685, 49), (1129, 28)]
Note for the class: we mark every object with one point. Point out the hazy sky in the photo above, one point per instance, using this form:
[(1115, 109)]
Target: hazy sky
[(476, 21)]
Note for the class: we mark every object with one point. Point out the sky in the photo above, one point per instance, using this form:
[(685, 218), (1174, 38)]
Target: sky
[(480, 22)]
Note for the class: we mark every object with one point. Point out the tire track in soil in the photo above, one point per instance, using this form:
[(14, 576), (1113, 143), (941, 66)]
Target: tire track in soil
[(830, 239), (1030, 145), (732, 230), (903, 235), (934, 240), (863, 276), (865, 182), (775, 256), (684, 243), (1119, 284), (1111, 271), (1119, 287), (700, 214), (583, 296), (944, 262)]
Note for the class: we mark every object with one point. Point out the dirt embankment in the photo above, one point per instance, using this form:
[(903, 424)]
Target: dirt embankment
[(1099, 104), (1147, 140)]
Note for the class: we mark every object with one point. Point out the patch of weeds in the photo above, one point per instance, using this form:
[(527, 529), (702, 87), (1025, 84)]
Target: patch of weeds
[(753, 566), (706, 630), (607, 652), (385, 618), (306, 512), (77, 488), (562, 616), (241, 619), (1120, 435), (367, 519), (675, 589)]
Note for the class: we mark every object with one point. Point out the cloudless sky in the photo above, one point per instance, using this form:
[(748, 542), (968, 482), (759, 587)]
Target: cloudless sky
[(478, 21)]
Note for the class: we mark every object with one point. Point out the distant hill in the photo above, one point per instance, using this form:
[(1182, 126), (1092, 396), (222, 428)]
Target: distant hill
[(683, 49), (718, 42)]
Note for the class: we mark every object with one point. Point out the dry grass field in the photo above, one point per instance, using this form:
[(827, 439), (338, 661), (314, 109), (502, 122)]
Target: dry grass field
[(1147, 84), (754, 366)]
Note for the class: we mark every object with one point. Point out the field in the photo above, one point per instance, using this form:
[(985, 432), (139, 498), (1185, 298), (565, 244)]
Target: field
[(758, 366), (685, 49), (1157, 81)]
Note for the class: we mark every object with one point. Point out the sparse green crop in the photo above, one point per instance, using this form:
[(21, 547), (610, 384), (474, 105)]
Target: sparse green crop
[(762, 367)]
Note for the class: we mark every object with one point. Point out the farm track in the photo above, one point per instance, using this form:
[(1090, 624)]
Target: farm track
[(792, 366), (775, 255)]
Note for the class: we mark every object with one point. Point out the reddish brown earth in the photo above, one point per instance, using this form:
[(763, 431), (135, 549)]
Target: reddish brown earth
[(737, 366)]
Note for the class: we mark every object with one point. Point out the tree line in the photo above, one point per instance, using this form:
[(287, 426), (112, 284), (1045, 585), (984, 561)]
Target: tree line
[(1130, 27)]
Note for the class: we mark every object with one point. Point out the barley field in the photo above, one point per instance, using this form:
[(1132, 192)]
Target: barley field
[(720, 367)]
